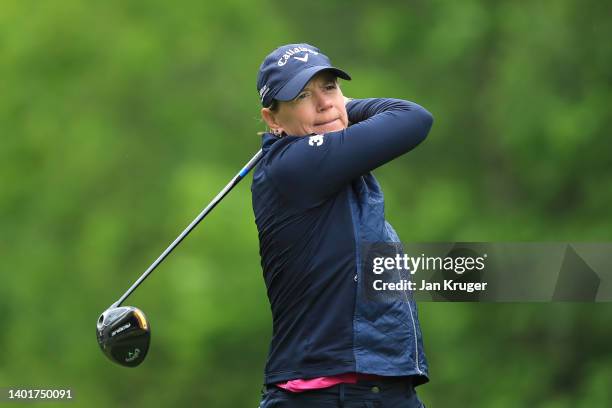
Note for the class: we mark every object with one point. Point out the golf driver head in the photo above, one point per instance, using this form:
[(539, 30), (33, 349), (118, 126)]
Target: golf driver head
[(124, 335)]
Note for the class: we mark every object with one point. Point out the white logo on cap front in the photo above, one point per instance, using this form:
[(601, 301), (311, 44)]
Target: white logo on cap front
[(316, 140), (296, 50)]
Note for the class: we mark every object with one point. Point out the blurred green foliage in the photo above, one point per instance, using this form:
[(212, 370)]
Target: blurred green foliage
[(120, 120)]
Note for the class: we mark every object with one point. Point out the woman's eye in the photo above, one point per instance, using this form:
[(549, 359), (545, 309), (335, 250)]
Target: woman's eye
[(330, 87)]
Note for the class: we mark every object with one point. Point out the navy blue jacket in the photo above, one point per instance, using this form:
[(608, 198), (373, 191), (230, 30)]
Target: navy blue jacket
[(315, 203)]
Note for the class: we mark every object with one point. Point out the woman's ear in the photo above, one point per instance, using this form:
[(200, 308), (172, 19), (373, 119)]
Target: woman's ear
[(270, 118)]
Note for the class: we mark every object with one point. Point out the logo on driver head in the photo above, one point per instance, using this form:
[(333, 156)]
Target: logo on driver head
[(132, 355), (316, 140)]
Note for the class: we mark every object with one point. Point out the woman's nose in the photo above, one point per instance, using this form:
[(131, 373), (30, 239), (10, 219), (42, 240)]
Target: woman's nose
[(324, 102)]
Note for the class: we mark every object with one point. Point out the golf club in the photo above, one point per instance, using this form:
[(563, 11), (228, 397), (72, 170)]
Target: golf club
[(123, 332)]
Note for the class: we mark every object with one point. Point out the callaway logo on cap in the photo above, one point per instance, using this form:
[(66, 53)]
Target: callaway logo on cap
[(286, 71)]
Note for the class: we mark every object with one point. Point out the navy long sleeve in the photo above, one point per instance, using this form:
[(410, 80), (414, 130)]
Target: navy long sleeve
[(311, 169)]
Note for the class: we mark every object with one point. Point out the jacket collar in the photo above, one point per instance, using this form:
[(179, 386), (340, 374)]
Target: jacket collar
[(268, 140)]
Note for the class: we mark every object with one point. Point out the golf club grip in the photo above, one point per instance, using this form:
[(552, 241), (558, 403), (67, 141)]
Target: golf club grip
[(245, 170)]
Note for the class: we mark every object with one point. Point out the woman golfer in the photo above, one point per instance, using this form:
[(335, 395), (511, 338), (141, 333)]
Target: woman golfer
[(316, 204)]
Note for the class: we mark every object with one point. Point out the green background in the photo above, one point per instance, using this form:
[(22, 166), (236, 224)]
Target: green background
[(120, 120)]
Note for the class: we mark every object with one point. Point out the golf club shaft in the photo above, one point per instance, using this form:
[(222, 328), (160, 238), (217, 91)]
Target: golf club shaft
[(245, 170)]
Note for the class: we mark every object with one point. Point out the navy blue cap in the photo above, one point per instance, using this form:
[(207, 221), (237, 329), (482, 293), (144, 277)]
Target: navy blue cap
[(286, 71)]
